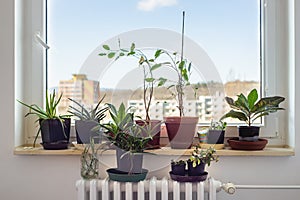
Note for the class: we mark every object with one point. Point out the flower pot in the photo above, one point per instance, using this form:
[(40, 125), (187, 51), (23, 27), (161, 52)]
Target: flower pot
[(129, 162), (178, 169), (181, 131), (248, 133), (198, 170), (215, 137), (84, 131), (155, 125), (53, 131)]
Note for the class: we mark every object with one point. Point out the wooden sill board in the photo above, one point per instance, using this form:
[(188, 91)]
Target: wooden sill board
[(165, 151)]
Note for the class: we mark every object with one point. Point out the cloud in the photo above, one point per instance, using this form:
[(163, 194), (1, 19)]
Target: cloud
[(149, 5)]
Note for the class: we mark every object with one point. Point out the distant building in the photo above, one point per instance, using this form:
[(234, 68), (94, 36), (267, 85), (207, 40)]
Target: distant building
[(79, 88), (206, 108)]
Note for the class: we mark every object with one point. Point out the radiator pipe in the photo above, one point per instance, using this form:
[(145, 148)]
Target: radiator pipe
[(230, 188)]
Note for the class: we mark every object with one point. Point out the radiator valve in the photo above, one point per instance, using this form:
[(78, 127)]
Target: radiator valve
[(229, 188)]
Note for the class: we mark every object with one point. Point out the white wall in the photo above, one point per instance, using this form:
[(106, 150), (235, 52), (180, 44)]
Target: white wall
[(53, 177)]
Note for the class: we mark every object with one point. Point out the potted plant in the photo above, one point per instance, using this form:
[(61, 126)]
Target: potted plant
[(54, 128), (199, 159), (125, 135), (178, 167), (181, 129), (148, 65), (88, 121), (89, 161), (216, 132), (248, 109)]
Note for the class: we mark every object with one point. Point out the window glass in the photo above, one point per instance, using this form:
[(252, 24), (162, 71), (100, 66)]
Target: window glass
[(222, 41)]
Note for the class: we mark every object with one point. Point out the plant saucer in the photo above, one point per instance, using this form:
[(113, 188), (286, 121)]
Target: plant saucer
[(120, 176), (237, 144), (187, 178), (62, 144)]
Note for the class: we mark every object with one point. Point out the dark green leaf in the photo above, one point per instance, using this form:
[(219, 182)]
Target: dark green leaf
[(181, 65), (102, 54), (235, 114), (106, 47), (157, 53), (189, 67), (131, 53)]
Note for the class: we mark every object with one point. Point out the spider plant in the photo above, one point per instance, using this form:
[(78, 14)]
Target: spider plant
[(95, 114)]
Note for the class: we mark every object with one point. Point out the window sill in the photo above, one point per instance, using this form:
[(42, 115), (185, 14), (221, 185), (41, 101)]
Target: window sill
[(165, 151)]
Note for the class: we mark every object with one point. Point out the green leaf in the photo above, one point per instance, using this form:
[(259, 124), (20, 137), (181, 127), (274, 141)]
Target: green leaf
[(131, 53), (235, 114), (122, 54), (142, 59), (252, 98), (185, 75), (111, 54), (156, 66), (106, 47), (189, 67), (242, 103), (161, 82), (102, 54), (181, 65), (157, 53), (149, 79), (132, 47)]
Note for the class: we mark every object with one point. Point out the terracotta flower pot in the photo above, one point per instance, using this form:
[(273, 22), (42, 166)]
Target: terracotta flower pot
[(181, 131)]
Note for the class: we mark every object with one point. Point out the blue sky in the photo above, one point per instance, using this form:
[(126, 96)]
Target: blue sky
[(226, 30)]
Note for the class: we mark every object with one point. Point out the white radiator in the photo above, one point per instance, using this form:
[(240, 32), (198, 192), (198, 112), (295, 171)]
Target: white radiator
[(152, 189)]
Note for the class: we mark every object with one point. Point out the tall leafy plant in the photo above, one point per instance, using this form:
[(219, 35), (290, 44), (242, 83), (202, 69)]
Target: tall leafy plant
[(148, 65), (178, 64), (249, 108)]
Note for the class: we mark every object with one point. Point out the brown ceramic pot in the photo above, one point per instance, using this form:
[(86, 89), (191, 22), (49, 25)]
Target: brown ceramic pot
[(181, 131)]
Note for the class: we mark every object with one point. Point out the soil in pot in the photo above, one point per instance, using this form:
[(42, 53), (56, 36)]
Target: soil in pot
[(128, 162), (155, 125), (215, 137), (248, 133), (52, 130), (181, 131), (198, 170)]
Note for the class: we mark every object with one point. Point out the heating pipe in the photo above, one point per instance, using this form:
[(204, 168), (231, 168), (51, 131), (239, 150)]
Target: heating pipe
[(230, 188)]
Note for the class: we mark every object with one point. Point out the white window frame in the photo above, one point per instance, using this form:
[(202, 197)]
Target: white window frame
[(277, 77)]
